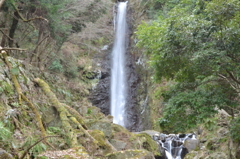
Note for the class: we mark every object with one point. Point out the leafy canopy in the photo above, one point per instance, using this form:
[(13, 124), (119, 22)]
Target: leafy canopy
[(198, 40)]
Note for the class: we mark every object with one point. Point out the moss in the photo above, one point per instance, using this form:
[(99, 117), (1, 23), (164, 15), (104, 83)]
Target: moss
[(119, 128), (7, 87), (42, 157), (102, 142), (148, 143)]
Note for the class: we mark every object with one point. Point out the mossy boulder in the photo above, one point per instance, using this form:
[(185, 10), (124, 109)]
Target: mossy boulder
[(103, 126), (5, 155), (123, 138), (118, 144), (131, 154), (103, 143), (146, 142)]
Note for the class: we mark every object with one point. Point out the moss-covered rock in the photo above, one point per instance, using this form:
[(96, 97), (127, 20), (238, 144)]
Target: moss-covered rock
[(103, 126), (131, 154), (5, 155), (148, 143), (103, 144), (118, 144)]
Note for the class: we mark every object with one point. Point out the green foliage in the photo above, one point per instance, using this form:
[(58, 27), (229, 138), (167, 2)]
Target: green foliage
[(37, 149), (89, 111), (6, 87), (210, 123), (64, 92), (54, 130), (185, 107), (5, 133), (56, 66), (235, 129), (15, 71), (197, 46), (71, 72)]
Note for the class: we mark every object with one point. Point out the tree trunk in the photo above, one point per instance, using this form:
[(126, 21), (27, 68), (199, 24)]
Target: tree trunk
[(1, 3), (13, 29)]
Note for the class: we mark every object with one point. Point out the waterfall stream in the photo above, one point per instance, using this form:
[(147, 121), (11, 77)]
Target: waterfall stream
[(176, 146), (118, 81)]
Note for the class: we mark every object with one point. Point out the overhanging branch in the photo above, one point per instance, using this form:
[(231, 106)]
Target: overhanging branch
[(232, 77)]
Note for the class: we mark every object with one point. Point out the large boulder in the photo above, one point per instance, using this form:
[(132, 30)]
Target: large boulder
[(191, 144), (103, 126), (118, 144)]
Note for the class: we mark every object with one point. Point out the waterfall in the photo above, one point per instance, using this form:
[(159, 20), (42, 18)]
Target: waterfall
[(176, 146), (118, 81)]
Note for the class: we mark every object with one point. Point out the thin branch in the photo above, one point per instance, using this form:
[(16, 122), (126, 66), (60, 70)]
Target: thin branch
[(39, 43), (26, 151), (4, 48), (231, 84), (232, 77), (5, 34), (35, 18), (27, 20)]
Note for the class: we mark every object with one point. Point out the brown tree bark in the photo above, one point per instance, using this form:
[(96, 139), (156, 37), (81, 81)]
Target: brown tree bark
[(13, 29)]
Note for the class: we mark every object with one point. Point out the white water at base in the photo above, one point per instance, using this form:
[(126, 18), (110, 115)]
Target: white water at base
[(118, 81)]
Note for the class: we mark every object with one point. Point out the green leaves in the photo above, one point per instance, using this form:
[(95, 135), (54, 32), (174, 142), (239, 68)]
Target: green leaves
[(189, 104), (197, 45), (15, 71), (188, 39)]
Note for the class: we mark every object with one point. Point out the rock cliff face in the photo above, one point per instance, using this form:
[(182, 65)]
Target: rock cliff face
[(137, 101)]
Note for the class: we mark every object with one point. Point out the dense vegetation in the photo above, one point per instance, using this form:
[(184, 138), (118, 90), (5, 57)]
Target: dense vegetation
[(195, 43)]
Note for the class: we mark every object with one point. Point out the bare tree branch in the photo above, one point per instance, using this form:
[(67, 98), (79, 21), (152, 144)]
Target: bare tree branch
[(27, 20), (4, 48)]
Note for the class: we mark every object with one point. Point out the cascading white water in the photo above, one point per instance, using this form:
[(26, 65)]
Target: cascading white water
[(173, 144), (118, 81)]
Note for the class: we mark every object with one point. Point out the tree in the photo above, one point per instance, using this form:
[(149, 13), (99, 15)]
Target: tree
[(198, 41), (37, 25)]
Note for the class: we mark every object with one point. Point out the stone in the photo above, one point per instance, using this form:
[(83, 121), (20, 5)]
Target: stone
[(103, 126), (222, 132), (176, 143), (5, 155), (162, 137), (119, 145), (149, 132), (191, 144)]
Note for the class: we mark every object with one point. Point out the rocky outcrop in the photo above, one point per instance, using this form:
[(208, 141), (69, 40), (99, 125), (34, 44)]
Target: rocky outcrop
[(137, 110), (100, 95)]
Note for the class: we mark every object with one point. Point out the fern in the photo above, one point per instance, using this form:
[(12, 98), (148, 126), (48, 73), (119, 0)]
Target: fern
[(5, 133)]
